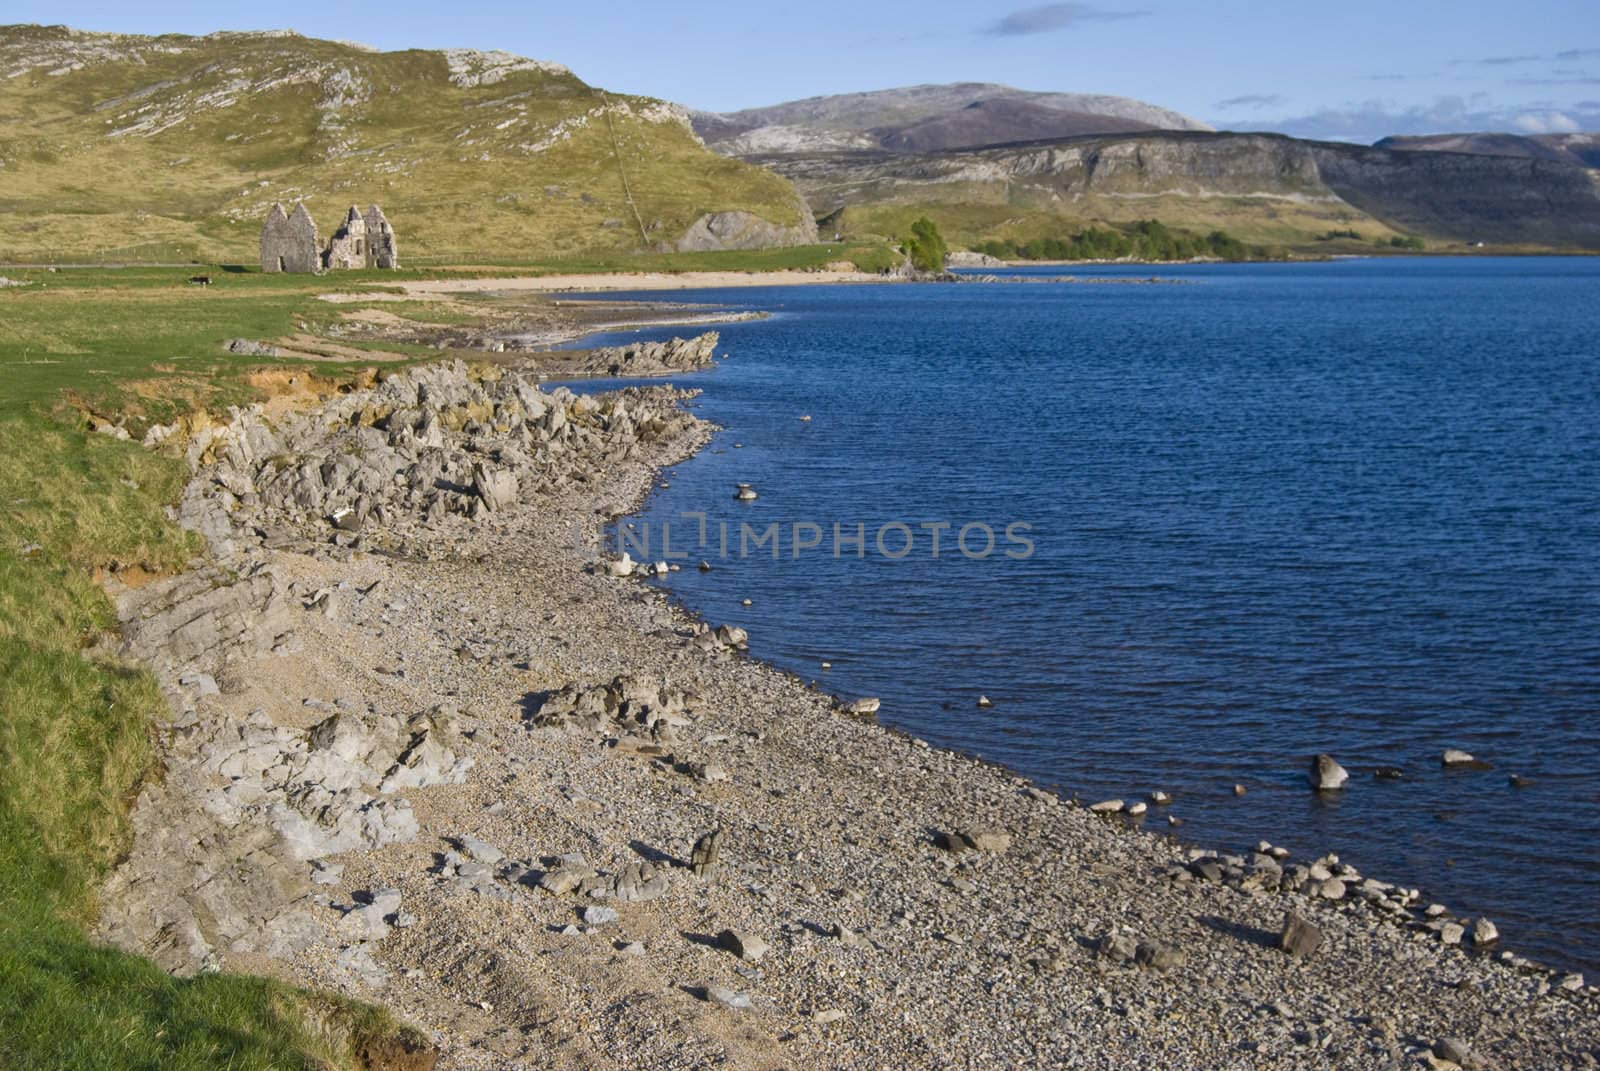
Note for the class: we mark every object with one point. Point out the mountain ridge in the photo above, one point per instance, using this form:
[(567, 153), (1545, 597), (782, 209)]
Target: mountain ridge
[(882, 118), (1581, 149)]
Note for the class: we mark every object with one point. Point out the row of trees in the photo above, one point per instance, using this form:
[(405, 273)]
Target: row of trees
[(1146, 240), (1398, 241)]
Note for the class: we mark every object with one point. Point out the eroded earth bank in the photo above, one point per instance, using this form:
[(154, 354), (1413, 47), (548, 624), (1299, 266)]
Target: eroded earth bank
[(426, 748)]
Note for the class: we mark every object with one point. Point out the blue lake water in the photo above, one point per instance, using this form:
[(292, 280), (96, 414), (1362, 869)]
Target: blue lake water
[(1349, 507)]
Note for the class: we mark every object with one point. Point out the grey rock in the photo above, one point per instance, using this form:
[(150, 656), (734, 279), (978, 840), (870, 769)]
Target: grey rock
[(599, 915), (1484, 932), (325, 873), (707, 850), (497, 490), (747, 946), (385, 900), (357, 959), (363, 924), (245, 347), (974, 840), (717, 994), (742, 230), (1453, 1049), (565, 879), (1158, 957), (1299, 937), (1118, 947), (654, 359), (1327, 775), (641, 881)]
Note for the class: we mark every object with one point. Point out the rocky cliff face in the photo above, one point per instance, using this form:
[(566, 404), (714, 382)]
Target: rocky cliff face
[(1469, 197), (1452, 196)]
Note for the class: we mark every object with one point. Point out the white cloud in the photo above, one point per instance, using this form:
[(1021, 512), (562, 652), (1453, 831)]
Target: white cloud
[(1546, 123), (1369, 120)]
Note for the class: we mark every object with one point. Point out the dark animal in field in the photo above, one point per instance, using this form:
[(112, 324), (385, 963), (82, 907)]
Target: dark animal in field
[(199, 280)]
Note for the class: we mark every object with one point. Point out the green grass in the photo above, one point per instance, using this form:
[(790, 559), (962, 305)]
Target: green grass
[(993, 214), (75, 727)]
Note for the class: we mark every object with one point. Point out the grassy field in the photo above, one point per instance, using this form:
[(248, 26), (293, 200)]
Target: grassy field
[(1283, 227), (75, 727)]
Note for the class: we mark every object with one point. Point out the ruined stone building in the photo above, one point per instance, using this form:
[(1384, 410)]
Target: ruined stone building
[(382, 249), (289, 242)]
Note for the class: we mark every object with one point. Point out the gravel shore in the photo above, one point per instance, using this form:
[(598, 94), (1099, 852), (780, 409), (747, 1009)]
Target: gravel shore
[(427, 749)]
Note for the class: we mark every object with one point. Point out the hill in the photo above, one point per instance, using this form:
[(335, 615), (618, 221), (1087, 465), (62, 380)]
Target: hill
[(1266, 189), (1582, 150), (928, 117), (119, 147)]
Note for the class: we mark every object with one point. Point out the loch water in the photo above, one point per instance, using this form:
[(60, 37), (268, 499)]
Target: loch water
[(1274, 510)]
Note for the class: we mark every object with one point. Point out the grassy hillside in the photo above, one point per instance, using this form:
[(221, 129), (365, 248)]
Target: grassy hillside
[(124, 148)]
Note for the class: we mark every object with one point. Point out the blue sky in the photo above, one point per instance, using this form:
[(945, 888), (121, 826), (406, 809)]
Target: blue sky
[(1355, 70)]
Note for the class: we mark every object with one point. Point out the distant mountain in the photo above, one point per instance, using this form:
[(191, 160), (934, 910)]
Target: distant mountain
[(1580, 149), (995, 122), (124, 147), (928, 118)]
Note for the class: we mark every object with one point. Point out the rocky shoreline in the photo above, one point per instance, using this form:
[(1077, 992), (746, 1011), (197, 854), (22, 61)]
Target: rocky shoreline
[(428, 750)]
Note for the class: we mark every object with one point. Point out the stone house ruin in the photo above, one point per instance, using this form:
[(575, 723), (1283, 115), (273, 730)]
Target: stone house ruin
[(364, 240), (289, 243)]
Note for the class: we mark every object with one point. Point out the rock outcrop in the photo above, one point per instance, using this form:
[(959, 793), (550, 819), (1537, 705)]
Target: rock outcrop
[(743, 230), (421, 449), (653, 358), (245, 804)]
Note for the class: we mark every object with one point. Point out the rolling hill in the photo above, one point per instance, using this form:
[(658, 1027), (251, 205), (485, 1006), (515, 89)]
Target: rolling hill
[(119, 147)]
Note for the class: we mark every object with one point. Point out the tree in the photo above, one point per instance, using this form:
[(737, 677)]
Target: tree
[(926, 246)]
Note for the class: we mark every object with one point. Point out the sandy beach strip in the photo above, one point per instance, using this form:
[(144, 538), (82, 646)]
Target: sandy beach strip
[(580, 283)]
